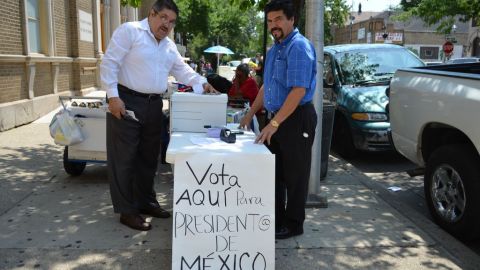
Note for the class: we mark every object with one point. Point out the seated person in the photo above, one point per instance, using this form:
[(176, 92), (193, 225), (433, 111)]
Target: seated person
[(244, 86)]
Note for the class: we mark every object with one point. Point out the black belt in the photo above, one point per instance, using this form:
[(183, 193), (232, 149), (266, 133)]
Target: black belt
[(129, 91), (270, 114)]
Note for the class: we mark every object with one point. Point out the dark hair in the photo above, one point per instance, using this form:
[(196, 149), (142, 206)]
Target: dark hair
[(284, 5), (165, 4), (244, 69)]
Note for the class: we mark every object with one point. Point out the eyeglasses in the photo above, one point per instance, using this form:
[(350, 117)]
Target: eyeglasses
[(164, 19)]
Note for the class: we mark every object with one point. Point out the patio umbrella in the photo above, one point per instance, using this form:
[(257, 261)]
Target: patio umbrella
[(218, 50)]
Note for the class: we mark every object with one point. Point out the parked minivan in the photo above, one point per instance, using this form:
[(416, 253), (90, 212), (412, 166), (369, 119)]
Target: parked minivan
[(355, 79)]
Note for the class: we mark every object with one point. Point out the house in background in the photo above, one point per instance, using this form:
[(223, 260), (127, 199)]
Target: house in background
[(378, 27)]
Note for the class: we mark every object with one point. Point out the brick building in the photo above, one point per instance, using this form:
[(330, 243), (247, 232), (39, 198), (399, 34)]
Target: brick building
[(50, 48), (370, 27)]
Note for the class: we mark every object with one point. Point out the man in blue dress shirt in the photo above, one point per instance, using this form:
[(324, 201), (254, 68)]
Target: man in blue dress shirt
[(287, 92)]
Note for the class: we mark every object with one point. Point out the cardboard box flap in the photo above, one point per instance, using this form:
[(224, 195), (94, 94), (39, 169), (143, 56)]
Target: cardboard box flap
[(197, 98)]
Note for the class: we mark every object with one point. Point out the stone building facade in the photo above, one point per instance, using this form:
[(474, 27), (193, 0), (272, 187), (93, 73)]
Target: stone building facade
[(474, 39), (50, 48), (47, 48)]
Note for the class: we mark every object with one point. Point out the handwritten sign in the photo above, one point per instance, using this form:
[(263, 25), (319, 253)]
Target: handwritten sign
[(85, 26), (224, 212)]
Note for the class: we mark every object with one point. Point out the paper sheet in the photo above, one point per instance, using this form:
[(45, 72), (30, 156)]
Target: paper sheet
[(202, 140)]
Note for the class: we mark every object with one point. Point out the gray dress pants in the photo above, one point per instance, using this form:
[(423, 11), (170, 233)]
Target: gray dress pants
[(132, 154)]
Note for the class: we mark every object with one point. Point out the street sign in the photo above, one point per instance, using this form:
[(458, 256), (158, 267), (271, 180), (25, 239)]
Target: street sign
[(447, 47), (451, 39)]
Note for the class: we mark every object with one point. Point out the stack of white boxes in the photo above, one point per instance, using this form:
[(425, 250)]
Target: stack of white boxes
[(191, 112)]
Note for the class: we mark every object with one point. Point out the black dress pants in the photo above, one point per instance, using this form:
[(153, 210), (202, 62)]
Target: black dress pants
[(292, 146), (132, 154)]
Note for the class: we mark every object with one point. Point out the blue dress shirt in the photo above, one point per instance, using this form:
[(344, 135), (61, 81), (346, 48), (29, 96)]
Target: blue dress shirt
[(290, 63)]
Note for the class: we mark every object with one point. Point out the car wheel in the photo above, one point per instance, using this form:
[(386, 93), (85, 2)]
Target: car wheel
[(342, 139), (452, 185), (72, 168)]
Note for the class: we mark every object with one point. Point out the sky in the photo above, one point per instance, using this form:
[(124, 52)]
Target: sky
[(373, 5)]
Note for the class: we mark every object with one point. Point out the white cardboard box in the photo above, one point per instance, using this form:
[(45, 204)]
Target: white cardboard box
[(191, 112), (94, 132)]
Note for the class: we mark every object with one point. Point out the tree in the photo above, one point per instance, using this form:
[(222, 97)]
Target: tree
[(203, 23), (440, 11), (133, 3), (193, 25), (336, 13), (237, 24)]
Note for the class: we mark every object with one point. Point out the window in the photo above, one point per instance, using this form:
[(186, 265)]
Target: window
[(374, 65), (37, 15), (429, 52), (33, 26)]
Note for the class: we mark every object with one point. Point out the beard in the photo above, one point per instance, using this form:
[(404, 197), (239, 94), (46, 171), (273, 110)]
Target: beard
[(279, 35)]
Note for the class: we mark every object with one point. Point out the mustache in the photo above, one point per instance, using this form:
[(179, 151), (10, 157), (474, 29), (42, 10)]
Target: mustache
[(275, 29)]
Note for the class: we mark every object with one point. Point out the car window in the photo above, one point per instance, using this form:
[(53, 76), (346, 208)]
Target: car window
[(234, 63), (374, 64)]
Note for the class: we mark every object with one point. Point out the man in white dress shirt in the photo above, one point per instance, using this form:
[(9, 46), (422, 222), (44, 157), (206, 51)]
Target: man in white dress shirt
[(134, 73)]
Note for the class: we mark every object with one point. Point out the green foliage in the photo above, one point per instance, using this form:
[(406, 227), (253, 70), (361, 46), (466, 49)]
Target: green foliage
[(336, 13), (244, 4), (440, 11), (232, 23), (236, 24), (197, 45), (133, 3), (410, 4)]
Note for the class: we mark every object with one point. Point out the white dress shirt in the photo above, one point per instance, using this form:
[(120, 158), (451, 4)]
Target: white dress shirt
[(136, 60)]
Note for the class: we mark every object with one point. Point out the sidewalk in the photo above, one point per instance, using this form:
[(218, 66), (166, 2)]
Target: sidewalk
[(49, 220)]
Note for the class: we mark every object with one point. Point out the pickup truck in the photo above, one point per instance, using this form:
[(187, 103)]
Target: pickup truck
[(434, 114)]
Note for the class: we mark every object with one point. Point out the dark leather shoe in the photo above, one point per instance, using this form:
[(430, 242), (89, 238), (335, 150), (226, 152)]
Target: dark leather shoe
[(285, 232), (155, 212), (135, 221)]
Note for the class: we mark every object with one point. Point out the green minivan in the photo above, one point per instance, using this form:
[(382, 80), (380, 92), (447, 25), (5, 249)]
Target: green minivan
[(355, 77)]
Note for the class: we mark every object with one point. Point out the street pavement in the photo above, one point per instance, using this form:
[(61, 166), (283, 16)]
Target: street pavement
[(49, 220)]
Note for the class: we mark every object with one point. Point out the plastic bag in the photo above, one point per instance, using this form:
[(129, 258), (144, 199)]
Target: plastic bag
[(64, 130)]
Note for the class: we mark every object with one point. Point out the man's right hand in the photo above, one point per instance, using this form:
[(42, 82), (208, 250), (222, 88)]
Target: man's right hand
[(245, 122), (116, 107)]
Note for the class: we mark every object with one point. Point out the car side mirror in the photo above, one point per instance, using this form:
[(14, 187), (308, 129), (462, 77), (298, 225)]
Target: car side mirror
[(328, 80), (328, 83)]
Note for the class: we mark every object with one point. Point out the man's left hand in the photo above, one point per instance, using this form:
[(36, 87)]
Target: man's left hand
[(208, 89), (266, 134)]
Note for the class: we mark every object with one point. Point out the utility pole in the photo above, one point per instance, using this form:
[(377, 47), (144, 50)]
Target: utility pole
[(315, 33)]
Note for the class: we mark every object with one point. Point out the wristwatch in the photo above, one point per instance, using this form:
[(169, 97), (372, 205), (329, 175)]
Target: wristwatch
[(274, 123)]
